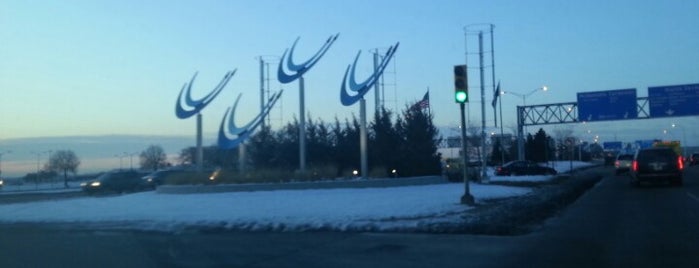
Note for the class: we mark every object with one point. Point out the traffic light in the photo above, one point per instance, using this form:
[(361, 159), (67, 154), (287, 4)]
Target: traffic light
[(460, 84)]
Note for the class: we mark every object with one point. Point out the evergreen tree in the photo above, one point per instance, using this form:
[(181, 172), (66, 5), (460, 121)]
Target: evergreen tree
[(262, 148), (420, 140), (497, 156), (317, 143), (383, 142), (529, 148)]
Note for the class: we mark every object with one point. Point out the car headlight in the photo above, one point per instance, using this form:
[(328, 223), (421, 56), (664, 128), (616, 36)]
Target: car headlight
[(83, 184), (2, 182), (95, 184)]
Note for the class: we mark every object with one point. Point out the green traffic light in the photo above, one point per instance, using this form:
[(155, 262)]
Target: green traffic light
[(461, 97)]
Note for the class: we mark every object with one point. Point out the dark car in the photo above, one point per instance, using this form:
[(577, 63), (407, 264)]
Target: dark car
[(694, 159), (115, 182), (519, 168), (658, 164), (609, 158)]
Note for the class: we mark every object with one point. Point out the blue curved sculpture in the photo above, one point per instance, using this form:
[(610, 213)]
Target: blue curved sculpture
[(362, 88), (242, 133), (299, 69), (195, 106)]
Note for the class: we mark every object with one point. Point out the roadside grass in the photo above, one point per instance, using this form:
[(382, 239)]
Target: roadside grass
[(521, 215)]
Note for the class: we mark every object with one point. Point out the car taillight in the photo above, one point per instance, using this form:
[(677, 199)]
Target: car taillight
[(680, 163), (634, 165), (617, 164)]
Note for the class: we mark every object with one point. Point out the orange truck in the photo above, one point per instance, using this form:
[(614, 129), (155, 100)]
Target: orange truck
[(675, 145)]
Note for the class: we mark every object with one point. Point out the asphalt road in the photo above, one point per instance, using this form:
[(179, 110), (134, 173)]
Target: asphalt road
[(612, 225)]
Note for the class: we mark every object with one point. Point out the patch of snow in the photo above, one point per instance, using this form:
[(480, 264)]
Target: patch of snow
[(396, 208)]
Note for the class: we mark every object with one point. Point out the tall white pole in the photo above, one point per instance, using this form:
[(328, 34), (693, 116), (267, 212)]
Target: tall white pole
[(302, 127), (492, 72), (484, 174), (200, 149), (262, 87), (363, 138)]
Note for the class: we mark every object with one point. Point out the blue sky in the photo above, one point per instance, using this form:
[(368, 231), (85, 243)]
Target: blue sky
[(70, 68)]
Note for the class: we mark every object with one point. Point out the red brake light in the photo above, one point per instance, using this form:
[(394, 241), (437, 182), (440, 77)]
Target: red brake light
[(680, 163), (634, 165)]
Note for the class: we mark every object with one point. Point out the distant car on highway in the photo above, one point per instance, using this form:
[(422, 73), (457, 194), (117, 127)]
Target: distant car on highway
[(118, 181), (657, 164), (520, 168), (622, 164), (609, 157), (157, 178), (694, 159)]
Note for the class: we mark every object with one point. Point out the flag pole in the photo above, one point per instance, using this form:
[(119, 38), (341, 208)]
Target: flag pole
[(502, 133), (429, 107)]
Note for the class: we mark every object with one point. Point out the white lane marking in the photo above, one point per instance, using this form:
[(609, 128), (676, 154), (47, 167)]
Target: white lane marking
[(693, 196)]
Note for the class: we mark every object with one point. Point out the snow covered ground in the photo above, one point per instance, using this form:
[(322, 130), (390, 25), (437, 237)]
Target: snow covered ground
[(397, 208)]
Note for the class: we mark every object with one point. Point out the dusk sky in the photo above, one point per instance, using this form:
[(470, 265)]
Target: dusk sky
[(75, 68)]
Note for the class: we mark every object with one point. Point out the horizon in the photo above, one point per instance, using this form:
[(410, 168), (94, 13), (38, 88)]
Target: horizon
[(107, 152)]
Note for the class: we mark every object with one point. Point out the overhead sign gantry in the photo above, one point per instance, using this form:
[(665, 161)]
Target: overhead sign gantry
[(621, 104)]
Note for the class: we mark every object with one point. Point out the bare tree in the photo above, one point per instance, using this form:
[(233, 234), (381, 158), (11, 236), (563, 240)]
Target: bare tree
[(64, 161), (153, 157), (563, 137)]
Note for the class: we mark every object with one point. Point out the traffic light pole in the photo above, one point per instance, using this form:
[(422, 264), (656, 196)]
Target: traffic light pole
[(467, 198)]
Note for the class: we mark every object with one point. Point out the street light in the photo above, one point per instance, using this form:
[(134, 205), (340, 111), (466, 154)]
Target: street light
[(524, 96), (520, 139)]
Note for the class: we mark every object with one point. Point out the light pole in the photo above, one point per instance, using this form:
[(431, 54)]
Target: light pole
[(520, 119), (684, 139), (524, 96), (48, 160), (130, 159), (1, 154), (121, 160)]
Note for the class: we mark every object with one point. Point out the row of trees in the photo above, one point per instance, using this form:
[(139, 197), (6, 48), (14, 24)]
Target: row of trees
[(63, 162), (543, 148), (407, 144)]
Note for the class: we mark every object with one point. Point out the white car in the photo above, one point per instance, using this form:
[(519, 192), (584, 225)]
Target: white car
[(622, 164)]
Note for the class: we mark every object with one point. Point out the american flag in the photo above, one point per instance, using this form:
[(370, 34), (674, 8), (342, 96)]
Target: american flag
[(424, 103)]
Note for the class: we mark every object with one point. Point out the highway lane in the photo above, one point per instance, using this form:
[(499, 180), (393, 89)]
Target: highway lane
[(611, 225), (616, 225)]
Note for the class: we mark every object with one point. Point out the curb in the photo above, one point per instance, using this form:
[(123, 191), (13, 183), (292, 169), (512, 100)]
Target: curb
[(370, 183)]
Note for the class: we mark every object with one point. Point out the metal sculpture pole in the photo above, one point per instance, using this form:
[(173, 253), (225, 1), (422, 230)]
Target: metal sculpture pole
[(297, 71), (193, 107), (229, 128), (302, 125), (361, 89)]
